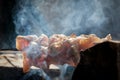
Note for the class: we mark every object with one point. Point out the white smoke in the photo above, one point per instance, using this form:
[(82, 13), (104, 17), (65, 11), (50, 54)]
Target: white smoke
[(61, 16), (33, 50)]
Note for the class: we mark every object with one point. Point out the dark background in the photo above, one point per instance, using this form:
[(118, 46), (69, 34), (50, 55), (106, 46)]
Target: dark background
[(7, 27), (8, 10)]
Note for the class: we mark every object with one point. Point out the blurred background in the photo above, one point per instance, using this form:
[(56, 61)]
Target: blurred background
[(26, 17)]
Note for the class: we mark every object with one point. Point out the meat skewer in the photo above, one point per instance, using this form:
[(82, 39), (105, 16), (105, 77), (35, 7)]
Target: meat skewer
[(58, 49)]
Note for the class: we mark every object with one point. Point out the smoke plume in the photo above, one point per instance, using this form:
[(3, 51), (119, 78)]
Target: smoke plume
[(67, 16)]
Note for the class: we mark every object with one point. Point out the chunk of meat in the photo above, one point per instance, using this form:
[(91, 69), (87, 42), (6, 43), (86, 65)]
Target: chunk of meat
[(26, 63), (43, 40), (23, 41), (58, 49)]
